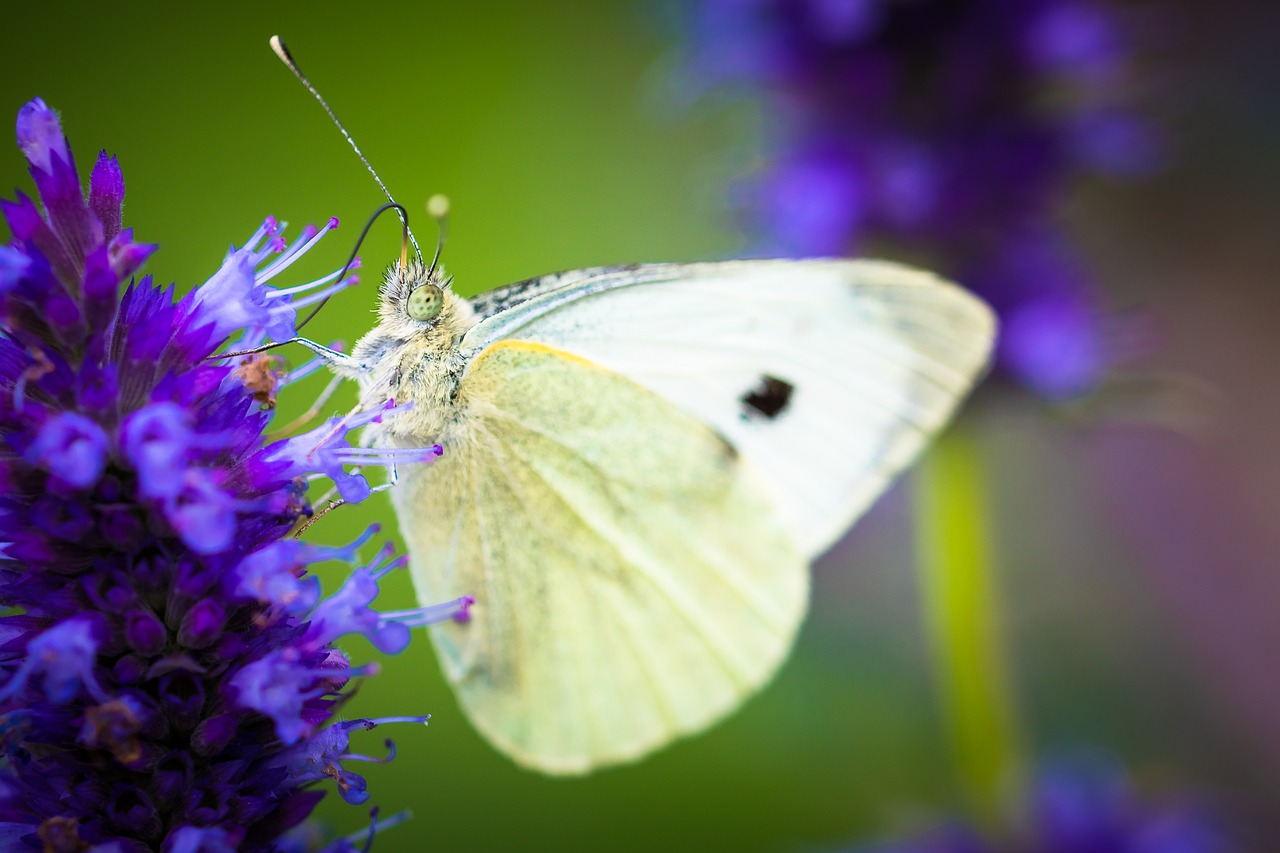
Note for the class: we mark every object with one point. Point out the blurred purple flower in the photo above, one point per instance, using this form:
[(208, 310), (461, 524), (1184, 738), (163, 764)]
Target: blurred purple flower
[(167, 674), (1085, 804), (944, 130)]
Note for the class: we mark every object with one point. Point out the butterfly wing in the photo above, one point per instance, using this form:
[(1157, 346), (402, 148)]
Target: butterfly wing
[(630, 583), (827, 376)]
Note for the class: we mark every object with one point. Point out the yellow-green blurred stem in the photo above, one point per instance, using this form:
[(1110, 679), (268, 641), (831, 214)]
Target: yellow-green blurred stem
[(962, 618)]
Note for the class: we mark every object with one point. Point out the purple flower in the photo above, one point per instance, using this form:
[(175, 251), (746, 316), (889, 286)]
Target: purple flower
[(322, 450), (236, 297), (72, 448), (943, 130), (1084, 805), (65, 655), (167, 674)]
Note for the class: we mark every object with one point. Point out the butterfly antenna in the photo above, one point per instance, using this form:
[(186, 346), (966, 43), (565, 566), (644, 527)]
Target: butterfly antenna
[(404, 216), (438, 209), (287, 58)]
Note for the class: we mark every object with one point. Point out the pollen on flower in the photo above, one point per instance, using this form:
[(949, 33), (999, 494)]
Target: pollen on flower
[(261, 375), (169, 679), (115, 727), (61, 833)]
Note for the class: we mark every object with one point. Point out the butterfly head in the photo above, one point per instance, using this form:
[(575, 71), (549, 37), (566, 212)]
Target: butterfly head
[(413, 354), (417, 300)]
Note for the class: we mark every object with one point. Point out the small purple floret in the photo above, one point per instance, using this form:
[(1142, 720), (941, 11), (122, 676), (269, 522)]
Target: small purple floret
[(65, 655), (40, 136), (326, 450), (106, 195), (348, 612), (190, 839), (278, 686), (70, 447), (158, 440), (202, 512)]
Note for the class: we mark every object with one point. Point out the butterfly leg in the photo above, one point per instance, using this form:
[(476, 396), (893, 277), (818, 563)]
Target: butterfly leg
[(297, 534), (337, 361), (393, 477)]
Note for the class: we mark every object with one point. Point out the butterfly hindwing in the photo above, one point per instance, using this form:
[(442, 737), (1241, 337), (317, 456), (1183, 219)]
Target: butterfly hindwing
[(631, 583)]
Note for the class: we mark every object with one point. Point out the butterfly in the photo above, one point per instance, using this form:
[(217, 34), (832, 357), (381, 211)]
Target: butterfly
[(638, 465)]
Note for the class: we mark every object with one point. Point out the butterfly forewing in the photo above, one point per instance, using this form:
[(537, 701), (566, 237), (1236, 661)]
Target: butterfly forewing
[(827, 377)]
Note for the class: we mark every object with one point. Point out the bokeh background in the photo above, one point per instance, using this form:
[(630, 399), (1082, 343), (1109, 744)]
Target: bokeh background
[(1134, 536)]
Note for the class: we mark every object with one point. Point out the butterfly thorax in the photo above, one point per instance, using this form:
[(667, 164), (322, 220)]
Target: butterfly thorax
[(411, 361)]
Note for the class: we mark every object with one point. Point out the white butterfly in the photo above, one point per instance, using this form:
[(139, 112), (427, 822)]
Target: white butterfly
[(639, 464)]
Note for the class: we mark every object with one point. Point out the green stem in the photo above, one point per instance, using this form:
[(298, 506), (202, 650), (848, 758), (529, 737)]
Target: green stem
[(961, 609)]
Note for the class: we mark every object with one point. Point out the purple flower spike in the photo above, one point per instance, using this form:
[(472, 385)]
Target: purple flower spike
[(943, 130), (1085, 805), (169, 680)]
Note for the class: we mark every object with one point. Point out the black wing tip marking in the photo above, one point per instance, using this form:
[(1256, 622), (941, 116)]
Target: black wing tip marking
[(768, 399)]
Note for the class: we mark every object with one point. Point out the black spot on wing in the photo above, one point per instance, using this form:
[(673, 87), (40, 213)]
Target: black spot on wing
[(768, 399)]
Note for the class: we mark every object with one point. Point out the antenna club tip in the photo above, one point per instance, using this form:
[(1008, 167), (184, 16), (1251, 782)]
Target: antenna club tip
[(278, 46), (438, 206)]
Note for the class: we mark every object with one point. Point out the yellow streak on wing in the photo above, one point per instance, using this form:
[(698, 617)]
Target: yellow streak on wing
[(631, 585)]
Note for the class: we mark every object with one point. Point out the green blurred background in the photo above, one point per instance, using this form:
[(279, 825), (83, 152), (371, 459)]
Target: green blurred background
[(548, 126)]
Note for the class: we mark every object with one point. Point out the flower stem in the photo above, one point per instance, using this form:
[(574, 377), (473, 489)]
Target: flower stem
[(961, 610)]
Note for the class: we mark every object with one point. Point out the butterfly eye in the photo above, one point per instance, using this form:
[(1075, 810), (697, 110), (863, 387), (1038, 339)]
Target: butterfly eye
[(425, 303)]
